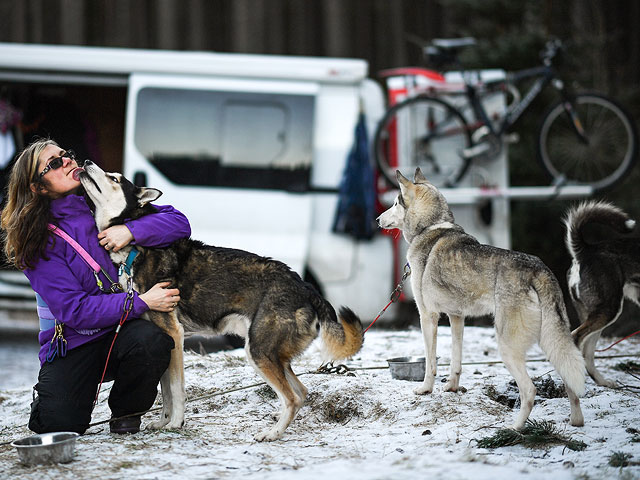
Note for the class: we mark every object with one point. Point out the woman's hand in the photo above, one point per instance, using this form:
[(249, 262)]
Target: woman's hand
[(116, 237), (161, 299)]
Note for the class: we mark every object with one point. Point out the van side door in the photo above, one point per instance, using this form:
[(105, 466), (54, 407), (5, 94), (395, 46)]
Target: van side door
[(234, 155)]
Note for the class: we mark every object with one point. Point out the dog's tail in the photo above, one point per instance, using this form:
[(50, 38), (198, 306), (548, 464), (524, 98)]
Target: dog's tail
[(555, 334), (600, 212), (341, 335)]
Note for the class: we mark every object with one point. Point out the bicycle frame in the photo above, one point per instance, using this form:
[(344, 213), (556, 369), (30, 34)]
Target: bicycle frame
[(546, 74)]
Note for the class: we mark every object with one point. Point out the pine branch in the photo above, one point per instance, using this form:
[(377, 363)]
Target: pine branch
[(534, 434)]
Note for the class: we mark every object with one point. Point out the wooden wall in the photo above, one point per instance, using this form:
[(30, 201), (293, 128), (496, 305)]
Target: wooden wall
[(375, 30)]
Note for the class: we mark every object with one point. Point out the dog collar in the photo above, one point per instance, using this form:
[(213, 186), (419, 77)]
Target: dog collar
[(440, 225), (126, 266)]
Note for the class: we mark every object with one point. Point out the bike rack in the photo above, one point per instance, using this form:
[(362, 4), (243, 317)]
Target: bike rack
[(466, 196), (470, 195)]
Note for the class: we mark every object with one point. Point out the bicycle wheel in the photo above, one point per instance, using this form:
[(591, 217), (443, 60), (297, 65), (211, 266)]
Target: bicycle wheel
[(599, 156), (422, 132)]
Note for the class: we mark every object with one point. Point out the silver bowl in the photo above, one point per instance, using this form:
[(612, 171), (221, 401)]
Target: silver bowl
[(407, 368), (54, 447)]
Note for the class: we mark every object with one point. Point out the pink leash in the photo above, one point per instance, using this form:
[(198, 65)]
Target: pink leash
[(395, 295), (77, 247), (88, 259)]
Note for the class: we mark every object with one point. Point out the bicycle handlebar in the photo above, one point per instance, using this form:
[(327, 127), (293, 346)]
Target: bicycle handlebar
[(551, 48)]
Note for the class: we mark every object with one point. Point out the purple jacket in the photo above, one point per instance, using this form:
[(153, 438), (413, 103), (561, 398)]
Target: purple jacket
[(66, 283)]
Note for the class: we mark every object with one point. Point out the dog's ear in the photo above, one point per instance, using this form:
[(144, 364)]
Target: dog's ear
[(406, 187), (418, 177), (402, 180), (146, 195)]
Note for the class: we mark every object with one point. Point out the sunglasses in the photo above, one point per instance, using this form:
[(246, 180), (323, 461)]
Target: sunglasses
[(57, 162)]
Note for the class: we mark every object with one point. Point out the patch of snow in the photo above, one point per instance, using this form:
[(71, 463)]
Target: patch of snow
[(361, 426)]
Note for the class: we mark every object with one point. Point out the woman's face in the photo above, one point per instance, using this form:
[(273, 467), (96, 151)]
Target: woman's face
[(60, 181)]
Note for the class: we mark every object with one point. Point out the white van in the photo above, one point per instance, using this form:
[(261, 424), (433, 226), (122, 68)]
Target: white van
[(252, 148)]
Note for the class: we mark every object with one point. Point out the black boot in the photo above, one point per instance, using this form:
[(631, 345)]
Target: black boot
[(125, 425)]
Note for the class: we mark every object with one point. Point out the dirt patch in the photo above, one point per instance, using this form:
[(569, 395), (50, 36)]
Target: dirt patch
[(546, 387), (508, 398), (267, 393), (338, 408)]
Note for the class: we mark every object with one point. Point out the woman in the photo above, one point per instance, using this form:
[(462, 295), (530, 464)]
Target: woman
[(79, 319)]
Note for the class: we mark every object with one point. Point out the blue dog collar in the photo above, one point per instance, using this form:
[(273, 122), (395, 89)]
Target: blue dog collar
[(126, 266)]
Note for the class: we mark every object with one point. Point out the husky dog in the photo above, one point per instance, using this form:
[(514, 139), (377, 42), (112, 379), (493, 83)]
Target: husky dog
[(454, 274), (601, 276), (226, 291)]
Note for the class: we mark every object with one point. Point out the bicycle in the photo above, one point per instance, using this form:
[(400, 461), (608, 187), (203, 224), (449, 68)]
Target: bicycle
[(584, 139)]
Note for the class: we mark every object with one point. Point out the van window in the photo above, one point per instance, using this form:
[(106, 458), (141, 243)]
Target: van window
[(229, 139)]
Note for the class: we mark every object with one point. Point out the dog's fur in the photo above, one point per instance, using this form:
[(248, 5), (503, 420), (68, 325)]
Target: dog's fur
[(454, 274), (602, 275), (225, 290)]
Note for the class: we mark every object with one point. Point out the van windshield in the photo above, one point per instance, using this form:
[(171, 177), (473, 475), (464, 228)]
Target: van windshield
[(221, 138)]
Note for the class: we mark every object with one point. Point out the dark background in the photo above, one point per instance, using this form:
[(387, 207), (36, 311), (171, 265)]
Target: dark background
[(602, 39)]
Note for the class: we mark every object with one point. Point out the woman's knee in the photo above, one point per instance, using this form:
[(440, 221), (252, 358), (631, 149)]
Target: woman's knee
[(148, 342), (57, 414)]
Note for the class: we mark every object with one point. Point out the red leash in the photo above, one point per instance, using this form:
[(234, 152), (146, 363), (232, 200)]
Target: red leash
[(395, 295), (128, 305), (615, 343)]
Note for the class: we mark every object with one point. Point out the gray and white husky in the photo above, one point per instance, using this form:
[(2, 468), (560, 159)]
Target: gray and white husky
[(603, 273), (224, 290), (453, 273)]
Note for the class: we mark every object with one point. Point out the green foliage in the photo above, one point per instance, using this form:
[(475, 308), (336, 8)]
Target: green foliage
[(619, 459), (535, 434), (510, 34)]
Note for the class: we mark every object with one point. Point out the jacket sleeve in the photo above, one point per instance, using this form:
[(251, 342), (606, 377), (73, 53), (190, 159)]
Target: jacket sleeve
[(159, 229), (70, 303)]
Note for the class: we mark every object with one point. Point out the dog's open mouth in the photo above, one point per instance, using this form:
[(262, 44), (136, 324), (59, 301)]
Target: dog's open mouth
[(76, 173)]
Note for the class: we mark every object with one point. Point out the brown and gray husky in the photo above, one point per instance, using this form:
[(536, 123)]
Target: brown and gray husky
[(454, 274), (226, 291), (602, 274)]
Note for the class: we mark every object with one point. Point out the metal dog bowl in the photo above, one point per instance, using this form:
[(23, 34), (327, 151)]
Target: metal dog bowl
[(55, 447), (407, 368)]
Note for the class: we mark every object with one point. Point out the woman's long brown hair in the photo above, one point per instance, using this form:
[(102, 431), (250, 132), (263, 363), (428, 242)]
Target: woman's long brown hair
[(27, 213)]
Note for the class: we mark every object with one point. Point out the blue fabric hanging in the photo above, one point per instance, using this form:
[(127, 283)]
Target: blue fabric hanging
[(355, 215)]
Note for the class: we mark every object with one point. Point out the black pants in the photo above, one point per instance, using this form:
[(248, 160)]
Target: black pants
[(67, 386)]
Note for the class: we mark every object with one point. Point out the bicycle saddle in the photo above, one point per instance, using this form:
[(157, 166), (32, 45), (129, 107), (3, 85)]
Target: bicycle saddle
[(453, 43)]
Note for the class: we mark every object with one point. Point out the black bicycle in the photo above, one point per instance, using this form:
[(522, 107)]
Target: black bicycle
[(583, 139)]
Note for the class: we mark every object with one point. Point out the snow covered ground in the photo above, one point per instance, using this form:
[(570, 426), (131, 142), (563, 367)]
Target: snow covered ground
[(361, 426)]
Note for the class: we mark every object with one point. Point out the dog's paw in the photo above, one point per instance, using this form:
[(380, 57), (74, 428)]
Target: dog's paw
[(174, 425), (158, 424), (423, 389), (517, 425), (576, 419), (607, 383), (267, 436), (451, 387)]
